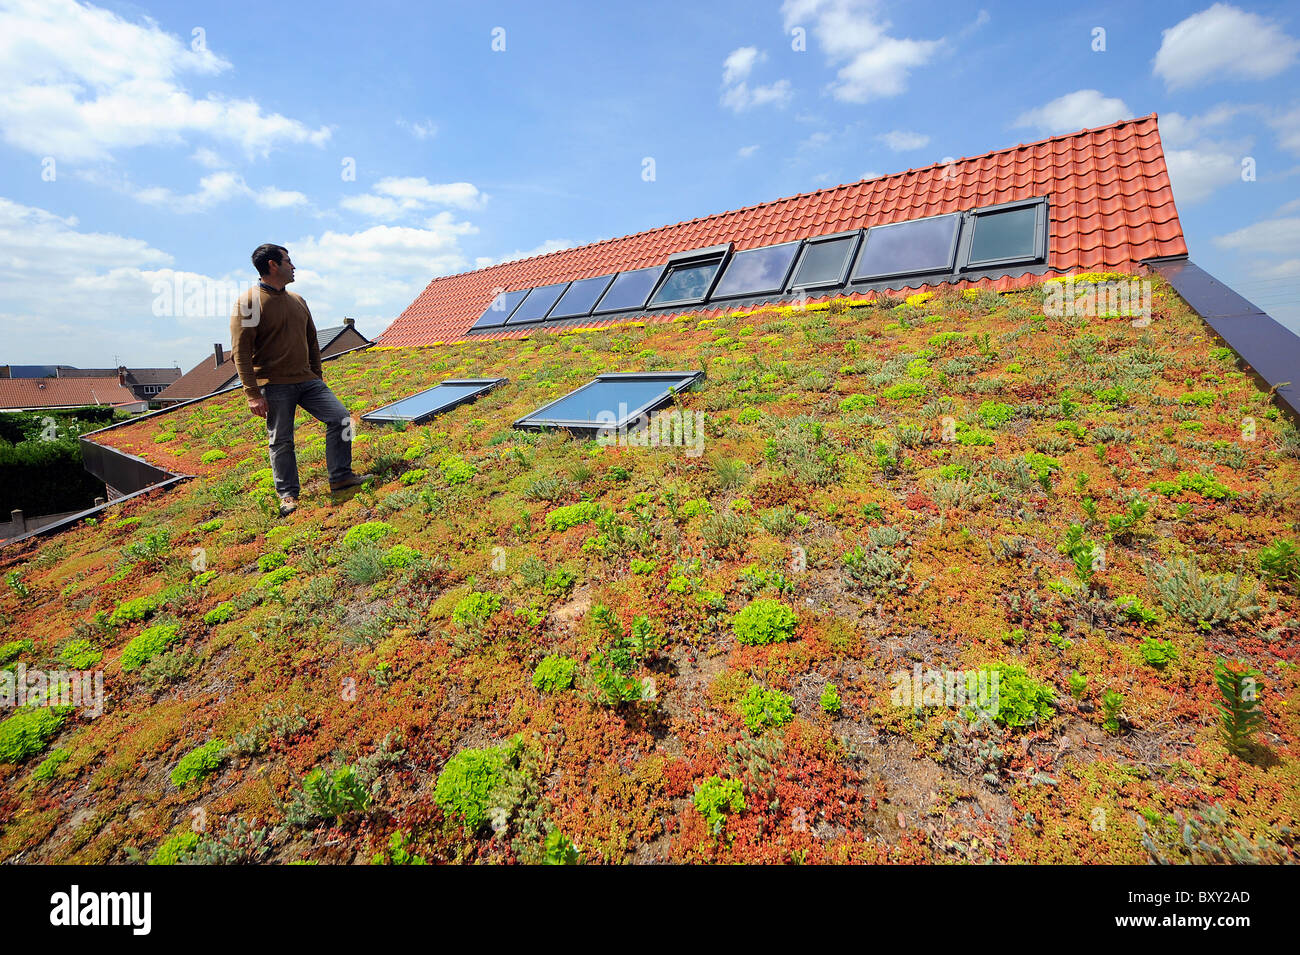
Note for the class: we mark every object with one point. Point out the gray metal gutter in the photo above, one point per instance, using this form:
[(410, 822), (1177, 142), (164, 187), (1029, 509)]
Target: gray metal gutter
[(1269, 350)]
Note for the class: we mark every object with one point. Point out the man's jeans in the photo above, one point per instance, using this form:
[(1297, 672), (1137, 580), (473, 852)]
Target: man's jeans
[(282, 402)]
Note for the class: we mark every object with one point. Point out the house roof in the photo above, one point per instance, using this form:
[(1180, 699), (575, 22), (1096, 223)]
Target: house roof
[(137, 376), (1110, 199), (63, 392), (203, 379), (326, 336)]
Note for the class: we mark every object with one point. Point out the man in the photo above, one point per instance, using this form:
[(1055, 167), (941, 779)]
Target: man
[(276, 353)]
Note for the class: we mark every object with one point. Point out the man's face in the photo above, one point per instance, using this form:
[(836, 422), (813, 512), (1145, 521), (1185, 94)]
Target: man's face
[(282, 270)]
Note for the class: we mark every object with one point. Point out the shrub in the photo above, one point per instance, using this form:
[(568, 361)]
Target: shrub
[(995, 414), (801, 447), (474, 609), (219, 614), (29, 731), (456, 470), (179, 848), (276, 577), (715, 799), (131, 610), (200, 762), (364, 564), (49, 767), (1042, 466), (470, 784), (414, 476), (13, 649), (328, 794), (1203, 484), (562, 518), (882, 565), (151, 641), (80, 654), (1280, 560), (1112, 702), (399, 555), (1239, 713), (555, 673), (269, 562), (1203, 599), (1158, 653), (1021, 700), (397, 852), (857, 403), (1136, 610), (367, 533), (764, 621), (212, 457), (904, 390), (761, 708), (830, 699)]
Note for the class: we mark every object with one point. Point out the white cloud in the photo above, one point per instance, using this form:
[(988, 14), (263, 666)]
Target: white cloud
[(1179, 130), (1196, 173), (550, 245), (855, 34), (1271, 236), (1287, 127), (902, 140), (421, 129), (217, 188), (737, 94), (81, 82), (744, 152), (1082, 109), (209, 158), (1223, 42), (397, 196)]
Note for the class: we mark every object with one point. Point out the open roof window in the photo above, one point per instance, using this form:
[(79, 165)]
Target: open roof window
[(500, 308), (689, 276), (581, 297), (909, 248), (538, 303), (825, 260), (612, 401), (424, 405), (1008, 233), (629, 290), (757, 271)]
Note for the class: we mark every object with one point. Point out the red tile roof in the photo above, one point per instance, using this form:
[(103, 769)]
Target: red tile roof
[(1111, 206), (63, 392)]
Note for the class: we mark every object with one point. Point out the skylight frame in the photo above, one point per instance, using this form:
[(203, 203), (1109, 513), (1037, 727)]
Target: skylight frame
[(970, 226), (485, 385), (692, 259), (599, 310), (556, 315), (850, 257), (562, 286), (957, 232), (478, 323), (537, 420), (736, 257)]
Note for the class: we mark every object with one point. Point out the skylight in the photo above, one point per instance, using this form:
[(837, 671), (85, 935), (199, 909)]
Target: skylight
[(630, 290), (756, 271), (538, 303), (611, 401), (581, 297), (424, 405), (500, 308), (689, 276), (909, 248), (1011, 232), (825, 260)]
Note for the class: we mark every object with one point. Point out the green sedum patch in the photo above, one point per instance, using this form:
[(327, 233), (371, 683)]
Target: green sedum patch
[(764, 621), (150, 642), (200, 762)]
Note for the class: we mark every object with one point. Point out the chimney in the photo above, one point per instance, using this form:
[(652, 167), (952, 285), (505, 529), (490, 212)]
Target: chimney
[(220, 357), (349, 321), (121, 375)]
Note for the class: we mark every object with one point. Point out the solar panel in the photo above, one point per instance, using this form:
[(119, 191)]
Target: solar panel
[(755, 271), (629, 290), (1010, 235), (500, 308), (433, 401), (537, 303), (908, 248), (581, 297), (825, 260), (610, 401)]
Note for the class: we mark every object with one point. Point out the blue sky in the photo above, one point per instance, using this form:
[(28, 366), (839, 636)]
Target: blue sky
[(144, 147)]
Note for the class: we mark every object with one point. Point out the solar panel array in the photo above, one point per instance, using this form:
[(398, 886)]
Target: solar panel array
[(937, 247)]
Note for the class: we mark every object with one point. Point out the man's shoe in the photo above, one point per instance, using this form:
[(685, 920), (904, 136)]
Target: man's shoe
[(288, 504), (352, 480)]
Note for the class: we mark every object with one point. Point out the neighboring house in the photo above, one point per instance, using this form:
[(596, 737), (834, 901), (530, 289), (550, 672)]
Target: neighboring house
[(145, 383), (30, 371), (35, 394), (218, 373)]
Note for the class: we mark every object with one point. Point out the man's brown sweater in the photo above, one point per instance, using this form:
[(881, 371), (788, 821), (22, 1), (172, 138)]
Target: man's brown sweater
[(273, 340)]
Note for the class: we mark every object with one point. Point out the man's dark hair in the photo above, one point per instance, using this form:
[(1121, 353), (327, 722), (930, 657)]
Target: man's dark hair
[(266, 253)]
